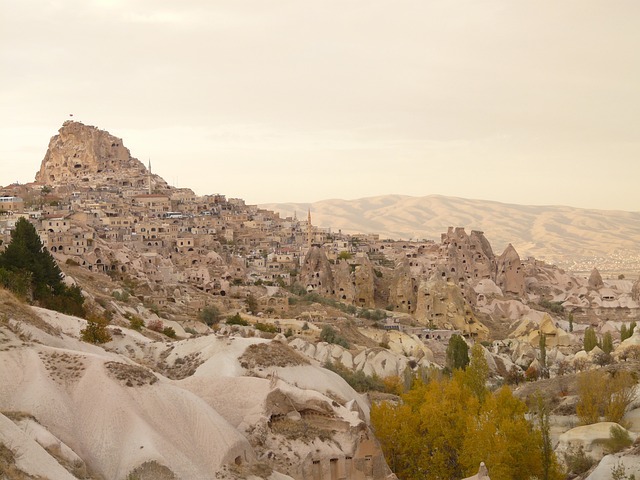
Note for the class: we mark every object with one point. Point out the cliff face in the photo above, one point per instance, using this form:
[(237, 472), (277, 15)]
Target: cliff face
[(83, 154)]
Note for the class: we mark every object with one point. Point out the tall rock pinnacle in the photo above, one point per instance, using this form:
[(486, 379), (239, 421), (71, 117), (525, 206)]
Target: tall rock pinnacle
[(85, 155)]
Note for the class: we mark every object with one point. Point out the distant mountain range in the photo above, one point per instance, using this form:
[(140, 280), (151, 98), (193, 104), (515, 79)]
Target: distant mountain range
[(574, 238)]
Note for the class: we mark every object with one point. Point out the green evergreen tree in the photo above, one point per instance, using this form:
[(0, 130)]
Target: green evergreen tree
[(607, 343), (590, 339), (457, 353), (624, 333), (25, 253), (27, 268)]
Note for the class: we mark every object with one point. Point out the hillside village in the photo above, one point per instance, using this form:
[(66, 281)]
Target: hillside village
[(140, 247)]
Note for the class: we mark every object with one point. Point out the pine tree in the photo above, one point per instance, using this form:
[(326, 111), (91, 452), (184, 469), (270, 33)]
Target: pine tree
[(28, 269), (26, 253)]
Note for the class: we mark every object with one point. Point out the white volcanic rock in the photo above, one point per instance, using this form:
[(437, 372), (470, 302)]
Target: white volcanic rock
[(591, 438), (101, 408), (632, 418), (378, 361), (30, 456), (631, 464)]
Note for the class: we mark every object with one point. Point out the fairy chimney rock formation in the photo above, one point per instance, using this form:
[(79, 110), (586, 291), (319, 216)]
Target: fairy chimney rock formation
[(469, 258), (85, 155), (344, 285), (316, 274), (595, 279), (365, 282), (403, 291), (510, 272)]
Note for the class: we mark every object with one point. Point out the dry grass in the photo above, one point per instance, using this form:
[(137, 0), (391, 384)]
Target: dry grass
[(131, 375), (63, 366), (13, 312), (183, 367), (8, 468), (272, 354), (151, 471)]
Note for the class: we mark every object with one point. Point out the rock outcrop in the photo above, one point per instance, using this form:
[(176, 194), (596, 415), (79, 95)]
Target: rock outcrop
[(510, 272), (402, 294), (595, 279), (85, 155), (364, 283), (442, 305), (316, 274)]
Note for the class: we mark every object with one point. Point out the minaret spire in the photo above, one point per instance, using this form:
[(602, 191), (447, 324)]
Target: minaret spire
[(149, 176), (309, 230)]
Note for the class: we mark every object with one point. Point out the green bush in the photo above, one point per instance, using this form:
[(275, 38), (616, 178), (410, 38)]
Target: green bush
[(330, 335), (266, 327), (237, 320), (555, 307), (169, 332), (359, 381), (95, 332), (136, 323), (209, 315), (618, 440)]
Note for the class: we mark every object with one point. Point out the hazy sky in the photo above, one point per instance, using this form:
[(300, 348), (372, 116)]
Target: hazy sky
[(528, 101)]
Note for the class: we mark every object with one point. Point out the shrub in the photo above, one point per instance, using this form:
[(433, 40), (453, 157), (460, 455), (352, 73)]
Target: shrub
[(209, 315), (95, 332), (121, 296), (136, 323), (155, 325), (359, 381), (330, 335), (252, 303), (265, 327), (514, 375), (169, 332), (555, 307), (577, 460), (619, 439), (288, 333), (237, 320)]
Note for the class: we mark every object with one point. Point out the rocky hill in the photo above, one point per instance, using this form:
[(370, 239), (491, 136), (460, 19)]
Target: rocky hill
[(83, 155), (574, 238)]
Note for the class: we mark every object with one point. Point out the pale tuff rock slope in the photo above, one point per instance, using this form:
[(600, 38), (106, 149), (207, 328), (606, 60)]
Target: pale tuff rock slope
[(69, 409), (554, 233)]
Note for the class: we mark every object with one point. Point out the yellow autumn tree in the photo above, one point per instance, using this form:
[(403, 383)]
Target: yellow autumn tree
[(443, 430)]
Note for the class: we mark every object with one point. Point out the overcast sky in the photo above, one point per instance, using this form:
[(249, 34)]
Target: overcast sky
[(531, 101)]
